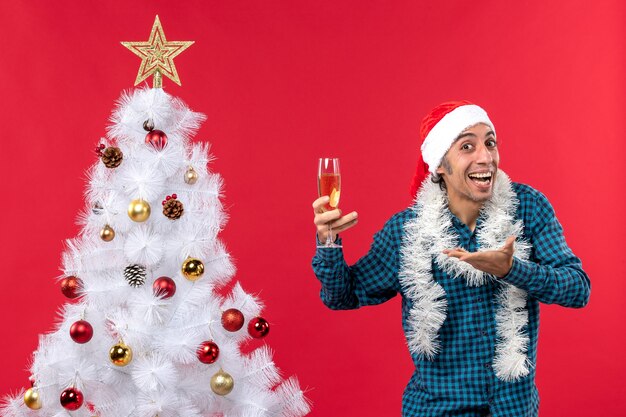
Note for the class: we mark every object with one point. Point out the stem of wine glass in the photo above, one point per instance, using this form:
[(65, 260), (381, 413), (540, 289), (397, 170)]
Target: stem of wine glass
[(329, 238)]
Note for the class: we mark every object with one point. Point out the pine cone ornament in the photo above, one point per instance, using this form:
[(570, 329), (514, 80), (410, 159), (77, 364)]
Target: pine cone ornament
[(135, 275), (172, 208), (112, 157)]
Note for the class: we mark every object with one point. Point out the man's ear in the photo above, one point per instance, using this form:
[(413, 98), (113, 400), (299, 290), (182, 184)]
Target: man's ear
[(440, 170)]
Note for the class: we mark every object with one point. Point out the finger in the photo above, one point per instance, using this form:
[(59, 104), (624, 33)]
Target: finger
[(344, 225), (472, 258), (454, 253), (323, 218), (465, 256), (454, 249), (344, 219), (327, 216), (509, 244), (318, 205)]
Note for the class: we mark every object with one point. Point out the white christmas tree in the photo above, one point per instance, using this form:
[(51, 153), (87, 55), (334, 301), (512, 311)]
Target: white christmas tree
[(147, 333)]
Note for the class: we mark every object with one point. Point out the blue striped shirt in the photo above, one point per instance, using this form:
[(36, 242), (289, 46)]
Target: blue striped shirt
[(460, 380)]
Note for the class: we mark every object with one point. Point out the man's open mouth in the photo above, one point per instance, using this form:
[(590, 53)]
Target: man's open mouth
[(482, 179)]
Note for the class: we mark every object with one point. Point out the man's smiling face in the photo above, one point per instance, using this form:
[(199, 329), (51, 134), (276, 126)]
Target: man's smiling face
[(470, 166)]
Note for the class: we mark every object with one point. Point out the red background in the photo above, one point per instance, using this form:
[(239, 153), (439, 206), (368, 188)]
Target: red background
[(283, 83)]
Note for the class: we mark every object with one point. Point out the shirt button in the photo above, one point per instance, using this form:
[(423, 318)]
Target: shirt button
[(487, 365), (479, 299), (483, 332)]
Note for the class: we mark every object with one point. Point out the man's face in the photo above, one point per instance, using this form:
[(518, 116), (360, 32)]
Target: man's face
[(469, 167)]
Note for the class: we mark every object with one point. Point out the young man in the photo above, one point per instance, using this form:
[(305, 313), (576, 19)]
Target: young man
[(472, 259)]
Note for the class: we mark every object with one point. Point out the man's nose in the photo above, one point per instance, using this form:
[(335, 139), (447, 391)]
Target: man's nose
[(483, 155)]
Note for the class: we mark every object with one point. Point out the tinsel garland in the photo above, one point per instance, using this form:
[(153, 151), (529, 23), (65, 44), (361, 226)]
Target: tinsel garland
[(426, 236)]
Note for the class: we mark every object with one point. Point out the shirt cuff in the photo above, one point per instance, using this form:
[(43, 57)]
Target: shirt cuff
[(520, 274)]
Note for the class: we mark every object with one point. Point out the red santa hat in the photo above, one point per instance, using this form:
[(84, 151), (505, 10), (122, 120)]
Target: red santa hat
[(438, 131)]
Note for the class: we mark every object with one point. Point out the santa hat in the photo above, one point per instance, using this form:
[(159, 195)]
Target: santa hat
[(439, 130)]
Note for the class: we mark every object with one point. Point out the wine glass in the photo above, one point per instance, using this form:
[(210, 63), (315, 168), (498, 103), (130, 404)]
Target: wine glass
[(329, 183)]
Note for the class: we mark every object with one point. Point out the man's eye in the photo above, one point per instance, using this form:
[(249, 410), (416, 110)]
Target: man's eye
[(491, 143), (466, 146)]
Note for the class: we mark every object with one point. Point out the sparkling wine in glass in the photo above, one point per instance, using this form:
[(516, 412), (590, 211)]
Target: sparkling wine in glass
[(329, 183)]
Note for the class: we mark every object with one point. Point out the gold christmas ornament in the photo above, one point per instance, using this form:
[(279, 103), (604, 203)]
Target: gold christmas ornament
[(120, 354), (139, 210), (191, 176), (107, 233), (193, 269), (222, 383), (157, 55), (32, 399)]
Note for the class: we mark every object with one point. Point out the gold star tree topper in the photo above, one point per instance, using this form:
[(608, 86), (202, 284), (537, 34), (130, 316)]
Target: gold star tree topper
[(157, 55)]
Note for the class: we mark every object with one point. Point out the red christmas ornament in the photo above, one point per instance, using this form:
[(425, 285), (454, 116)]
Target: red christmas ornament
[(157, 139), (81, 331), (164, 287), (258, 327), (168, 198), (232, 319), (208, 352), (72, 399), (99, 149), (71, 286)]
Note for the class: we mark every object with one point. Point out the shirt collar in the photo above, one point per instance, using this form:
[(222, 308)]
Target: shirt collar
[(463, 229)]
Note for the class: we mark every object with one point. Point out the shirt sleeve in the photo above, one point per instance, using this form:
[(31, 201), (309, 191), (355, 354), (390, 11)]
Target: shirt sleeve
[(555, 274), (372, 280)]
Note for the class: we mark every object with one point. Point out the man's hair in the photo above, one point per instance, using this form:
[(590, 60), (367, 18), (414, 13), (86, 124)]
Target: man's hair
[(438, 179)]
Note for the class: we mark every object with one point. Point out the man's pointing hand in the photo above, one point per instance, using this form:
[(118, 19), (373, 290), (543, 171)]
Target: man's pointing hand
[(496, 262)]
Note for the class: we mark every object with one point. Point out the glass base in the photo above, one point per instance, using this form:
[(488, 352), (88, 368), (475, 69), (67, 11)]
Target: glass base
[(330, 245)]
